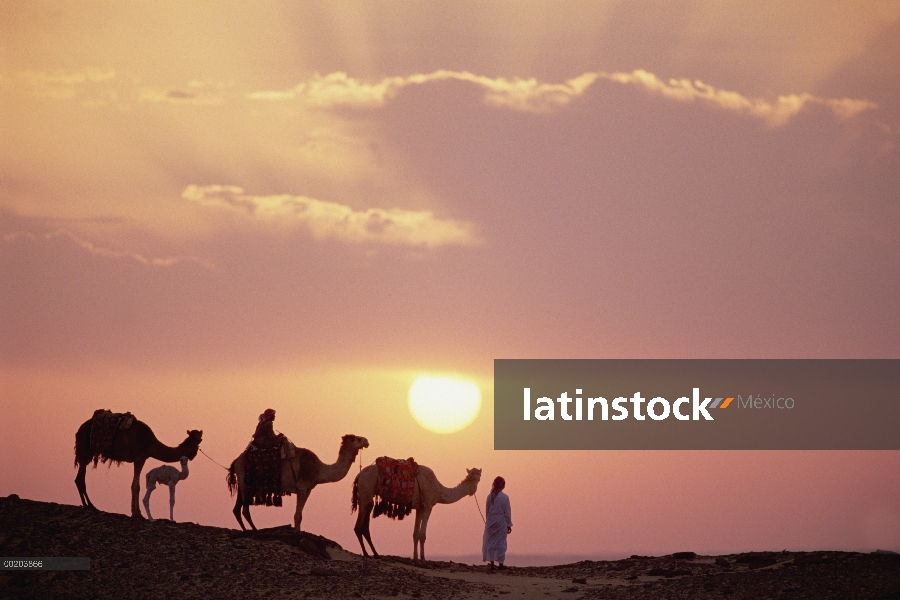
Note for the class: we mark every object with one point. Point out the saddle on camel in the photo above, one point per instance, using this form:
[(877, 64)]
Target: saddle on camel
[(264, 456), (105, 426), (395, 487)]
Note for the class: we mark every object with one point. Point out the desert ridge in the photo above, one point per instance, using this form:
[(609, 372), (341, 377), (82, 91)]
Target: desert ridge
[(134, 558)]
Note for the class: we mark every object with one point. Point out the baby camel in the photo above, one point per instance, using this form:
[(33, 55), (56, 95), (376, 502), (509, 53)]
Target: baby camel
[(165, 475)]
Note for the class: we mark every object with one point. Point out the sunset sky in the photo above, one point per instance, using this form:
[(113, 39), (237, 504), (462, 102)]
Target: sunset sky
[(212, 208)]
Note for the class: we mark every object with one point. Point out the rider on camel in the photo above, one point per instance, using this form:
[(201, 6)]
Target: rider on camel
[(265, 436)]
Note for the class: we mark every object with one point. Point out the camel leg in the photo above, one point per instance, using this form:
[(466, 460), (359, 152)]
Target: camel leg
[(368, 533), (136, 488), (416, 535), (362, 528), (246, 513), (358, 529), (172, 503), (147, 502), (423, 527), (237, 510), (82, 488), (302, 497)]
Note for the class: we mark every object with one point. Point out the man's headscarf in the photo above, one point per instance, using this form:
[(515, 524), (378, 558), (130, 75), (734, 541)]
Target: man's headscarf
[(268, 415), (499, 484)]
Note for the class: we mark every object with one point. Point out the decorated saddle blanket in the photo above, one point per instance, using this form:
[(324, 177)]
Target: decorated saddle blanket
[(104, 428), (263, 475), (395, 486)]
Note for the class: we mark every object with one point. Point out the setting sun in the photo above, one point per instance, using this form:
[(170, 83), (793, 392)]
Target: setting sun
[(444, 404)]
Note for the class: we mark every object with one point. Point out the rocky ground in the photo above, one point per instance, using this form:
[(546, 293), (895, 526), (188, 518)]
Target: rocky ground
[(132, 558)]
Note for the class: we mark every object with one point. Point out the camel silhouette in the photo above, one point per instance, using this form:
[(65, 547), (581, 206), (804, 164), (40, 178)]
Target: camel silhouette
[(135, 445), (165, 475), (299, 475), (427, 492)]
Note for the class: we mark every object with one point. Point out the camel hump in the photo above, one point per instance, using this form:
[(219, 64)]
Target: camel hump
[(104, 427), (391, 466), (395, 486)]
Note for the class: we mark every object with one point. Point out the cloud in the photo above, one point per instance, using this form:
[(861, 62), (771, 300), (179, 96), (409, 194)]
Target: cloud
[(775, 113), (97, 86), (96, 250), (63, 84), (530, 95), (330, 220), (524, 95), (178, 96), (338, 89)]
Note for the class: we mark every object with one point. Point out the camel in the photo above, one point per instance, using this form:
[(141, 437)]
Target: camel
[(135, 445), (299, 475), (165, 475), (427, 492)]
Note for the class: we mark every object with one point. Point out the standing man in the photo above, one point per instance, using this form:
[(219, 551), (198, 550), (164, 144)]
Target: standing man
[(498, 524)]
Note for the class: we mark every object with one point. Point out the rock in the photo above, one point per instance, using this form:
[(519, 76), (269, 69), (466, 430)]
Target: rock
[(757, 560), (580, 580), (684, 555), (660, 572)]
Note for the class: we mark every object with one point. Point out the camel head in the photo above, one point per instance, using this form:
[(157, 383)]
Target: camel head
[(473, 475), (192, 443), (353, 443)]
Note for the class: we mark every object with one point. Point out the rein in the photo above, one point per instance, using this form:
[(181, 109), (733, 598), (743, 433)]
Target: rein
[(210, 458), (479, 508)]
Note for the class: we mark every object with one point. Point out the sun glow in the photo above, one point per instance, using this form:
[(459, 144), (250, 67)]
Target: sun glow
[(444, 404)]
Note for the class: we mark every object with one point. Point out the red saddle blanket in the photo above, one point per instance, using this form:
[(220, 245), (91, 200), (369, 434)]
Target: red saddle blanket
[(395, 486), (104, 428), (263, 475)]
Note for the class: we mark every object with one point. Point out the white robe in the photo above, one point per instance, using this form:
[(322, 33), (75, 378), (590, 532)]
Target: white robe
[(493, 546)]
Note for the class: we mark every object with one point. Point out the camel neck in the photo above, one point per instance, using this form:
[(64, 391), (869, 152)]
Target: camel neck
[(451, 495), (160, 451), (338, 470)]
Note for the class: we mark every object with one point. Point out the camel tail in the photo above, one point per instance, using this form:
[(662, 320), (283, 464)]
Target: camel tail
[(354, 498), (231, 480), (83, 440)]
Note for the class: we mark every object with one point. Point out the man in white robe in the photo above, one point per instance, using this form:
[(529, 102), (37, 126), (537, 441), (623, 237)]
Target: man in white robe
[(498, 524)]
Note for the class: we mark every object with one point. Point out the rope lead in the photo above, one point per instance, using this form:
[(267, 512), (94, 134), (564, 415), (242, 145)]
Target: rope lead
[(479, 508), (210, 458)]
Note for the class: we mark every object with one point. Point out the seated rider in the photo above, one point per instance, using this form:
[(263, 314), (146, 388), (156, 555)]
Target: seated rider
[(265, 436)]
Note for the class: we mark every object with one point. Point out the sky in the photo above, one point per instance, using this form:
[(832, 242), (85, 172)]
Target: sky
[(209, 209)]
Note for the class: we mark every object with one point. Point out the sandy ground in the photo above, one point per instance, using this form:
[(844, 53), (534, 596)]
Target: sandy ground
[(502, 583), (132, 558)]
